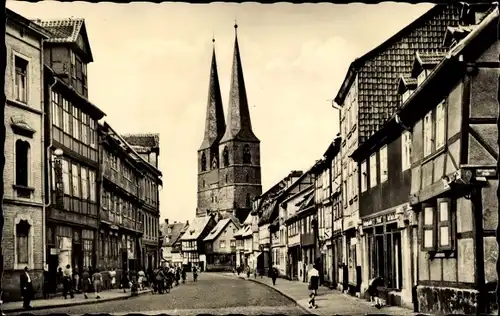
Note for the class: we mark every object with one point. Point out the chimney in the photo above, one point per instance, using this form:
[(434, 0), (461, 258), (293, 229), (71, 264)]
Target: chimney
[(187, 222), (166, 221), (175, 222)]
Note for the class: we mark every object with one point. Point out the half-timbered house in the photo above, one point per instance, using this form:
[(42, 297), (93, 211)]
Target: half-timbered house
[(452, 114)]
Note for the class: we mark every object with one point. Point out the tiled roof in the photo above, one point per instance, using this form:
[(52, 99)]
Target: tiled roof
[(268, 212), (195, 228), (456, 33), (215, 232), (62, 30), (143, 140), (247, 231), (175, 233), (379, 69), (427, 60)]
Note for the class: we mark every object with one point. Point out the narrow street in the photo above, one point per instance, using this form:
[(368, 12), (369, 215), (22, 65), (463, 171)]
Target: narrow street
[(212, 294)]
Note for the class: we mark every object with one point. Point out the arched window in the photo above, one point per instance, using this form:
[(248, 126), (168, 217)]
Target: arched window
[(203, 162), (22, 162), (247, 156), (248, 200), (22, 242), (225, 157)]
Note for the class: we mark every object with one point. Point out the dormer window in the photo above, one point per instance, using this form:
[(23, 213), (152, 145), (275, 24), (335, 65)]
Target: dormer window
[(405, 95), (421, 77)]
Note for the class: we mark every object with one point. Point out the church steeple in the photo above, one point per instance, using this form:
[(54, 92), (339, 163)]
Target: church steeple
[(215, 125), (239, 125)]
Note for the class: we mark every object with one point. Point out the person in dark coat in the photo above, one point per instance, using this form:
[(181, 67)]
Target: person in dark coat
[(86, 282), (46, 282), (274, 275), (373, 291), (124, 282), (26, 288)]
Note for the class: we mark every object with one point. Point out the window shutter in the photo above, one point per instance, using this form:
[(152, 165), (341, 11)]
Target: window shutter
[(444, 224), (428, 227)]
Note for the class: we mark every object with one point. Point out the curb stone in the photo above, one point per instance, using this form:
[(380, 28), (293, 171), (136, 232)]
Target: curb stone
[(305, 310), (86, 302)]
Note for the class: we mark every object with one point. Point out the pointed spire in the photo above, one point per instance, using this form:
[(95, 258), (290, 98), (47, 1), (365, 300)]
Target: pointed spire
[(239, 125), (214, 123)]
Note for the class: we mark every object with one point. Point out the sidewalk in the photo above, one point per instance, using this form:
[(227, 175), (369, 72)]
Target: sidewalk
[(79, 299), (330, 302)]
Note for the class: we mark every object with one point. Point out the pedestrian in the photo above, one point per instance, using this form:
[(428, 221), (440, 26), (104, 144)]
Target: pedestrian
[(76, 278), (274, 275), (124, 282), (26, 288), (141, 279), (373, 291), (195, 273), (46, 283), (313, 276), (97, 278), (85, 282), (112, 275), (68, 282)]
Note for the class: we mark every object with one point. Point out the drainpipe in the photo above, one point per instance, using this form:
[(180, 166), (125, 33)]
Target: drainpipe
[(47, 192)]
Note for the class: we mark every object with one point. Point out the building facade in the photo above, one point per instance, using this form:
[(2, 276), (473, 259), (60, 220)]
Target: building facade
[(229, 175), (192, 246), (125, 192), (72, 149), (24, 172), (170, 243), (220, 245), (452, 114), (368, 97), (147, 146)]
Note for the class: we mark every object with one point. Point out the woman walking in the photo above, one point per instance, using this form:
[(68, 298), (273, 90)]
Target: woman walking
[(313, 276), (97, 278), (85, 282), (112, 275)]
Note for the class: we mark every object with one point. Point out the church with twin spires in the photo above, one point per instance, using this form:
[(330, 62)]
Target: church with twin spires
[(229, 174)]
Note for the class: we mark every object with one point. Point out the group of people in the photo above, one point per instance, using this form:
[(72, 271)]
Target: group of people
[(164, 278)]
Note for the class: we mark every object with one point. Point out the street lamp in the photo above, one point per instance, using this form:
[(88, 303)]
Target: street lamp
[(58, 152)]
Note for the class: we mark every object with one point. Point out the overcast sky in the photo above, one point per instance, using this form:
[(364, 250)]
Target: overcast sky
[(151, 68)]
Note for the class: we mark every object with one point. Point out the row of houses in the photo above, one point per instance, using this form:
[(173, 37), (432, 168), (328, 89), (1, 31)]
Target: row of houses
[(76, 191), (406, 191)]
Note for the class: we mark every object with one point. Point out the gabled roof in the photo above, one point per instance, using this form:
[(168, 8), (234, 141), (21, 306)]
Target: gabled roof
[(40, 31), (66, 31), (426, 60), (405, 83), (195, 228), (149, 140), (177, 230), (456, 33), (221, 225), (268, 211), (377, 71), (247, 231)]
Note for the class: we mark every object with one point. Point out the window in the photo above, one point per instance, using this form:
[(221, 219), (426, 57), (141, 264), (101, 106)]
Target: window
[(85, 184), (405, 96), (76, 123), (373, 170), (364, 177), (383, 164), (225, 157), (421, 77), (92, 133), (232, 243), (75, 180), (428, 228), (22, 162), (21, 79), (85, 129), (66, 116), (203, 162), (22, 243), (428, 134), (440, 125), (406, 150), (84, 72), (56, 108), (73, 64), (247, 156), (445, 228), (65, 174), (222, 244)]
